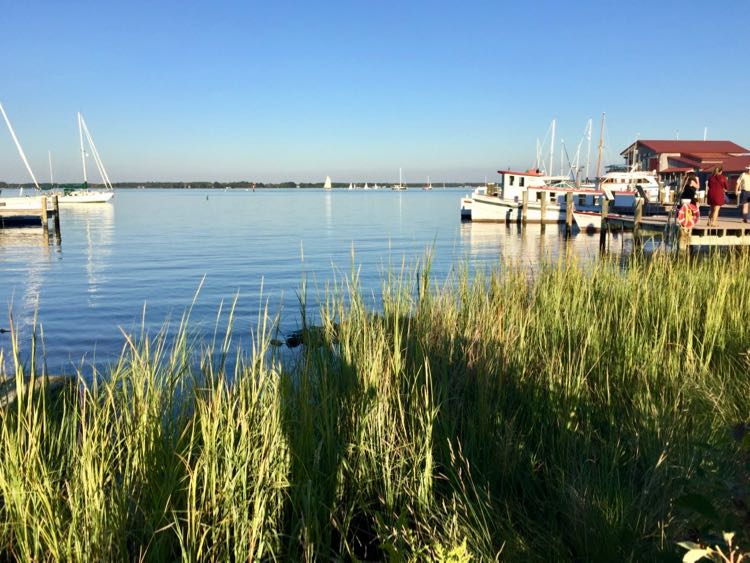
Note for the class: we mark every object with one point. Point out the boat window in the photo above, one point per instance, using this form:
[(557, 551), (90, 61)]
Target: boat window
[(511, 179), (521, 181), (539, 196), (552, 196), (581, 200)]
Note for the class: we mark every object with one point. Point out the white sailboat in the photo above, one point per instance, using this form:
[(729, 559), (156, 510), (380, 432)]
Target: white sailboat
[(351, 186), (80, 193), (21, 204), (327, 185), (428, 185), (400, 186), (366, 187)]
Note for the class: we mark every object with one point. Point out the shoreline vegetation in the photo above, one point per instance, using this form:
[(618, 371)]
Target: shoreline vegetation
[(576, 413), (243, 185)]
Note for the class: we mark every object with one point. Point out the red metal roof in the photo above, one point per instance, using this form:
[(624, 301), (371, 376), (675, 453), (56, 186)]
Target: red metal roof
[(732, 164), (692, 147)]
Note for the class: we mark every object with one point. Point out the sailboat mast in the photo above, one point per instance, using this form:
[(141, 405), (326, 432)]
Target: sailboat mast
[(51, 177), (400, 182), (83, 152), (588, 152), (601, 144), (552, 147), (18, 146)]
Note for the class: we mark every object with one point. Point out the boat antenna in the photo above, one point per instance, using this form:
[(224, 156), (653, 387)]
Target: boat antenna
[(18, 146)]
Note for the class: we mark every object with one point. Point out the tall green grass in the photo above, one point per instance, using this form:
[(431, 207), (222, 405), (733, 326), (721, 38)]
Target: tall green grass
[(579, 413)]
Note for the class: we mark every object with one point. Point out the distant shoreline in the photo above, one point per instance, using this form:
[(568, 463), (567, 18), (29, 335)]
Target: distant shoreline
[(240, 185)]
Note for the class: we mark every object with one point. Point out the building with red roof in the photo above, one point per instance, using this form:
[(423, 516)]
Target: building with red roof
[(672, 159)]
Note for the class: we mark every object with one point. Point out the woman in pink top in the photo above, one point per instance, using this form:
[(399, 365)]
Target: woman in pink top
[(717, 184)]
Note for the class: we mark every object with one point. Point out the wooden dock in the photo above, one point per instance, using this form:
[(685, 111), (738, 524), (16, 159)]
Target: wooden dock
[(729, 231), (30, 211)]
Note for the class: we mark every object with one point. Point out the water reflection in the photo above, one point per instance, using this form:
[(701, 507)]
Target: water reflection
[(96, 221), (30, 252)]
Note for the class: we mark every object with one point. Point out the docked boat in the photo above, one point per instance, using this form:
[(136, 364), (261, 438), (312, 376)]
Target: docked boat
[(545, 202)]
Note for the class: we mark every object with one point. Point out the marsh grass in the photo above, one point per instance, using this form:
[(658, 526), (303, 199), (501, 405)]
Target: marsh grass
[(582, 413)]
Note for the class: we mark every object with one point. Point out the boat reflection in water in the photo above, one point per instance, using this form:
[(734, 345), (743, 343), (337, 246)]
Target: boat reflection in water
[(532, 244)]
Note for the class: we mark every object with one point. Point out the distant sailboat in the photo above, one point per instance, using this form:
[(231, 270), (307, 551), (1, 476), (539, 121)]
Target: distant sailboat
[(400, 187), (351, 186), (428, 185), (366, 186), (327, 184)]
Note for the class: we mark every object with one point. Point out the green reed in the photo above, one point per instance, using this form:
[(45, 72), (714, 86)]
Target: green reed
[(576, 413)]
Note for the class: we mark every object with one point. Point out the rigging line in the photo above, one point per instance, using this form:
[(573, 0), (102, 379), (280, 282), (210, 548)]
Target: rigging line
[(18, 146)]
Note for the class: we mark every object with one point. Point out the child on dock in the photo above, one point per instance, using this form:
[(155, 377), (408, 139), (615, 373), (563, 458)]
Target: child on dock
[(717, 185), (690, 187)]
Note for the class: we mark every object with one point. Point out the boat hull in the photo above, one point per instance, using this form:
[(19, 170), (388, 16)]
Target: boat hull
[(79, 197), (493, 209)]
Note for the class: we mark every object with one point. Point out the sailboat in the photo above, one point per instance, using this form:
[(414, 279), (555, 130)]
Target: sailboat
[(428, 185), (366, 187), (327, 184), (400, 187), (351, 186), (21, 203), (80, 193)]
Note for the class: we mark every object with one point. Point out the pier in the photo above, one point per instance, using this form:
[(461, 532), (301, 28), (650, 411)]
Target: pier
[(30, 211)]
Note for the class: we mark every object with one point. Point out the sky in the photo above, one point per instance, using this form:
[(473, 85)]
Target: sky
[(282, 90)]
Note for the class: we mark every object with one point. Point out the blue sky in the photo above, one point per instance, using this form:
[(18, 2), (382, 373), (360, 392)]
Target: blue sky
[(280, 90)]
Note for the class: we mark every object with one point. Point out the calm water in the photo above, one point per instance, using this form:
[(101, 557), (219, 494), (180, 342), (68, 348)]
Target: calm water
[(154, 247)]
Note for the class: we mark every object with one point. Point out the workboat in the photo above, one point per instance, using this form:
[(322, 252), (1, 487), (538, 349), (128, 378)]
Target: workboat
[(545, 200)]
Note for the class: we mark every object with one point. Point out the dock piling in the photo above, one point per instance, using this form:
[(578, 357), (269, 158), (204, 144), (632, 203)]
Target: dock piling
[(524, 206), (45, 217), (569, 213), (543, 208), (604, 203)]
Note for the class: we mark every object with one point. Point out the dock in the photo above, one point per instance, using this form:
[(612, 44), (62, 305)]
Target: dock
[(30, 211), (729, 231)]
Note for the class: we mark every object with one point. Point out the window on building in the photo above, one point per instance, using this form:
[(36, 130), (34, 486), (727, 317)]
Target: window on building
[(521, 181)]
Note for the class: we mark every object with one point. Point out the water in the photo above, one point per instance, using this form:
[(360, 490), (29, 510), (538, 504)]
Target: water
[(155, 248)]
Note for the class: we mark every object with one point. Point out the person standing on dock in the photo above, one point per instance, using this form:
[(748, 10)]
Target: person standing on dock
[(743, 193), (717, 185), (690, 187)]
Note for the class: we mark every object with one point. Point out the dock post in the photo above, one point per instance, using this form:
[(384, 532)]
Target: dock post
[(56, 208), (637, 217), (604, 202), (569, 213), (661, 195), (524, 207), (45, 218), (543, 208), (683, 240)]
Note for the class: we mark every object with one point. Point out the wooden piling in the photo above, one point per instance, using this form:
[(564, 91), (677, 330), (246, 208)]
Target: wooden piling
[(56, 208), (44, 211), (524, 206), (569, 212), (637, 218), (543, 208), (604, 202)]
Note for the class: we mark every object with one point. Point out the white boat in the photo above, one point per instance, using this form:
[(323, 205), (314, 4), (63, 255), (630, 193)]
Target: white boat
[(72, 194), (400, 186), (327, 184), (588, 220), (366, 187), (545, 203), (21, 205), (428, 185), (351, 186), (626, 186)]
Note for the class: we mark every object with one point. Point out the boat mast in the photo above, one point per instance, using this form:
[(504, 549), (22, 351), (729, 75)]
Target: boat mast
[(97, 158), (18, 146), (552, 147), (601, 144), (588, 153), (400, 183), (51, 177), (83, 152)]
